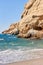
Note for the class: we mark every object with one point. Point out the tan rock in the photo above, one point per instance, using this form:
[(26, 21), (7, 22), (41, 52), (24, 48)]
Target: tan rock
[(31, 22), (15, 31)]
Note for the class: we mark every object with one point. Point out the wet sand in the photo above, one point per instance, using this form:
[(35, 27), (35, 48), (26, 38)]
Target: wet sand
[(30, 62)]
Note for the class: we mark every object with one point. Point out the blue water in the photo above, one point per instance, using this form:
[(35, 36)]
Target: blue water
[(13, 49)]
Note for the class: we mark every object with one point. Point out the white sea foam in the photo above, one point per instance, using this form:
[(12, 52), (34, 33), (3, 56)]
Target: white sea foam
[(1, 39), (12, 37), (9, 56)]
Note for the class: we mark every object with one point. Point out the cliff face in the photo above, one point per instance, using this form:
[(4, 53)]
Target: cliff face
[(31, 22)]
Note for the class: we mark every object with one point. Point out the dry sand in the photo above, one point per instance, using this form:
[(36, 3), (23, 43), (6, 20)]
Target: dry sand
[(30, 62)]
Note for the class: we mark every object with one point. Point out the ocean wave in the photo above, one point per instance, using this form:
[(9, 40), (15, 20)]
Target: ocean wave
[(1, 39), (9, 56), (11, 37)]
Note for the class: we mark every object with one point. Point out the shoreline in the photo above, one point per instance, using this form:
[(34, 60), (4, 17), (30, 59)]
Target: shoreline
[(38, 61)]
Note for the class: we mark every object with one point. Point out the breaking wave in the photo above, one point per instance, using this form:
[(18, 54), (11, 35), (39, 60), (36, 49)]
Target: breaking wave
[(9, 56)]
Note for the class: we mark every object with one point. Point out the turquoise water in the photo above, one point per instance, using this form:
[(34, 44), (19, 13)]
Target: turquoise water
[(13, 49), (12, 42)]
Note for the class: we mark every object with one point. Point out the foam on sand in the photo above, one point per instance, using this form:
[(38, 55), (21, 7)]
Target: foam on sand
[(9, 56)]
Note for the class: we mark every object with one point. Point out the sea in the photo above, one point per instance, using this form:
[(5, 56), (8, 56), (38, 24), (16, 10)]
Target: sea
[(13, 49)]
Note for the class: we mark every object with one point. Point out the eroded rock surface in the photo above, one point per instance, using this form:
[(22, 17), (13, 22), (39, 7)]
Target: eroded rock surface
[(31, 22)]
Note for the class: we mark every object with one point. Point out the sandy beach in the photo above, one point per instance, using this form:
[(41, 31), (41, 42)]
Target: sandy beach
[(30, 62)]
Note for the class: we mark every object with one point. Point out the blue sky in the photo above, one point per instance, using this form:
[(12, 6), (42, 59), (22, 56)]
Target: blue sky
[(10, 12)]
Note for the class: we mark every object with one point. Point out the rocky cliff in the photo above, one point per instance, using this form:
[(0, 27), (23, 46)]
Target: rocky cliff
[(31, 22)]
